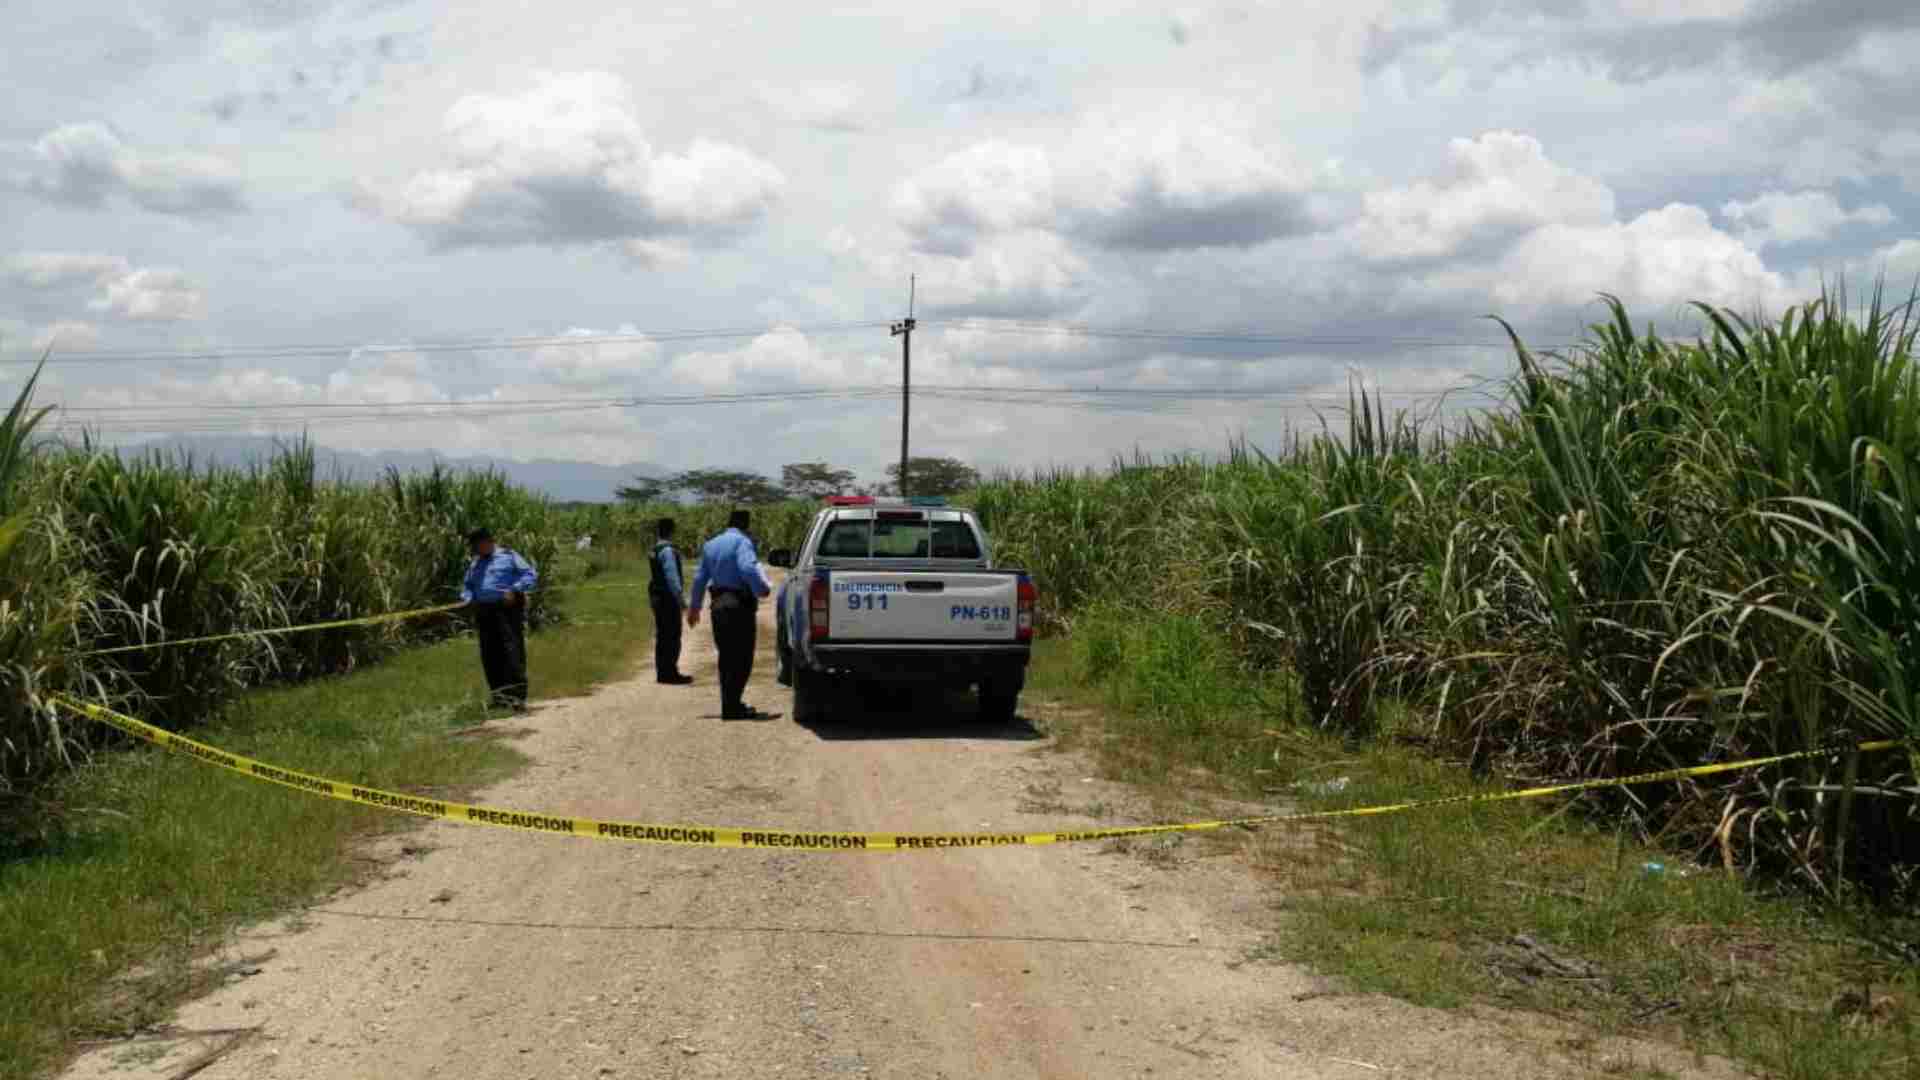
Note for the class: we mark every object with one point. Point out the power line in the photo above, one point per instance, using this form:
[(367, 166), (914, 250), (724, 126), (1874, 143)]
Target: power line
[(323, 351), (1058, 400), (340, 418), (1161, 406), (1208, 392), (623, 400), (244, 414), (1231, 337), (314, 351)]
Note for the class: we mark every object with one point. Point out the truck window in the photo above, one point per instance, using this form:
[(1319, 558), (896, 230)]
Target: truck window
[(953, 540), (845, 540), (898, 540)]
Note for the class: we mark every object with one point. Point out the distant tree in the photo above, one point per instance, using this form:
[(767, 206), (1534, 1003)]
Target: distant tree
[(727, 486), (644, 489), (815, 479), (934, 476), (761, 491)]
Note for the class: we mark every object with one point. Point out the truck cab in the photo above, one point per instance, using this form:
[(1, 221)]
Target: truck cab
[(901, 591)]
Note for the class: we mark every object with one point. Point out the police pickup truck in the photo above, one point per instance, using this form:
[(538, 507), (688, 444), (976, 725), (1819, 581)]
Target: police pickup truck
[(901, 591)]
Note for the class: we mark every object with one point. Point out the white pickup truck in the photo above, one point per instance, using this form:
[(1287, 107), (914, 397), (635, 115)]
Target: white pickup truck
[(901, 591)]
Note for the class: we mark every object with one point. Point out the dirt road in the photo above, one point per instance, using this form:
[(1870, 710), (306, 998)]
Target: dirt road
[(493, 954)]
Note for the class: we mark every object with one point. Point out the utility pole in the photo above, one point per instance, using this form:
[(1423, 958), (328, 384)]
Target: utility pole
[(904, 331)]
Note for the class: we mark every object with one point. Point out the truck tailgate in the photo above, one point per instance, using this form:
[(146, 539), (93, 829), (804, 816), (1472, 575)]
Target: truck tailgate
[(959, 607)]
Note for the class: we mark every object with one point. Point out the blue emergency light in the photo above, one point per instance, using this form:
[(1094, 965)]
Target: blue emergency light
[(926, 500)]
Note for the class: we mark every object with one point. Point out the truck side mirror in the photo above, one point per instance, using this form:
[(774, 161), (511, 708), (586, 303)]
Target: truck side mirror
[(781, 557)]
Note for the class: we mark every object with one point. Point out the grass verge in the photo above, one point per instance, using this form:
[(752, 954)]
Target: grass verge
[(161, 856), (1527, 905)]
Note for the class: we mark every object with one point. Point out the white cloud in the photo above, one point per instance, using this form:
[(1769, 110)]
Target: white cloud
[(91, 165), (987, 354), (1187, 175), (246, 386), (46, 270), (381, 386), (144, 295), (567, 163), (1025, 274), (631, 358), (1190, 176), (1490, 189), (152, 296), (1899, 261), (1502, 227), (783, 357), (656, 254), (376, 376), (1778, 218), (1662, 258), (993, 186), (1028, 274)]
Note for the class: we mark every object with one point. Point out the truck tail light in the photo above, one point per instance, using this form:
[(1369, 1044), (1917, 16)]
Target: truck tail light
[(817, 610), (1023, 625)]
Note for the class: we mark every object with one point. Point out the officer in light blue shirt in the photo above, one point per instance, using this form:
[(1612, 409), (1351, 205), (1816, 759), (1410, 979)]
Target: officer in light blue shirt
[(498, 581), (730, 570)]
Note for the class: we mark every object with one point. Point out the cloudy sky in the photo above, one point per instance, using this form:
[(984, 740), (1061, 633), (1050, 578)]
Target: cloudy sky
[(259, 215)]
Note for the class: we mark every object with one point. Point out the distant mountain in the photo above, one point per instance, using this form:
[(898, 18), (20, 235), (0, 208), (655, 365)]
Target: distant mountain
[(568, 481)]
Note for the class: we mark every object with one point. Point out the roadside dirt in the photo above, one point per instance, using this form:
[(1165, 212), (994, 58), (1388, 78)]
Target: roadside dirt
[(494, 954)]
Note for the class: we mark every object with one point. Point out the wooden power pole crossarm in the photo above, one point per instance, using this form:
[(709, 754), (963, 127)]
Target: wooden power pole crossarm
[(904, 331)]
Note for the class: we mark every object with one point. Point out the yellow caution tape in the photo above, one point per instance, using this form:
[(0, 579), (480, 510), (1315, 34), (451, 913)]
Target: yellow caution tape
[(814, 840), (365, 620), (336, 624)]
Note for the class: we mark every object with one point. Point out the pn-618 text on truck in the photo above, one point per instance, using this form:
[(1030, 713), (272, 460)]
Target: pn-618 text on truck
[(901, 591)]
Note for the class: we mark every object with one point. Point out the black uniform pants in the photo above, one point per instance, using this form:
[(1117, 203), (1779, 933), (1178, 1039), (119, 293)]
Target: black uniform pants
[(734, 626), (666, 635), (503, 651)]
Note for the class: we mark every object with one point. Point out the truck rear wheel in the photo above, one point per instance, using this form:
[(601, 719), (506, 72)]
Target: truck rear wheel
[(1000, 700), (809, 696)]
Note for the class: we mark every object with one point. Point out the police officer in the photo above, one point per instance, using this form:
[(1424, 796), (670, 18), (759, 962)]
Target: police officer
[(497, 584), (666, 593), (729, 567)]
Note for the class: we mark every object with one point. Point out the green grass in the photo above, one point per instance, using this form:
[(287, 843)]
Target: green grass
[(1425, 905), (1180, 701), (156, 857)]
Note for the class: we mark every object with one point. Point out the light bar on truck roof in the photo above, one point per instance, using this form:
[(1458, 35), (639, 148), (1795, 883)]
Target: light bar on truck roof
[(926, 500), (849, 500)]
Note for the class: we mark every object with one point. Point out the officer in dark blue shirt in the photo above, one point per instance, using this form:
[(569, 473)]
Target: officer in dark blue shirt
[(666, 591), (730, 569), (496, 588)]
